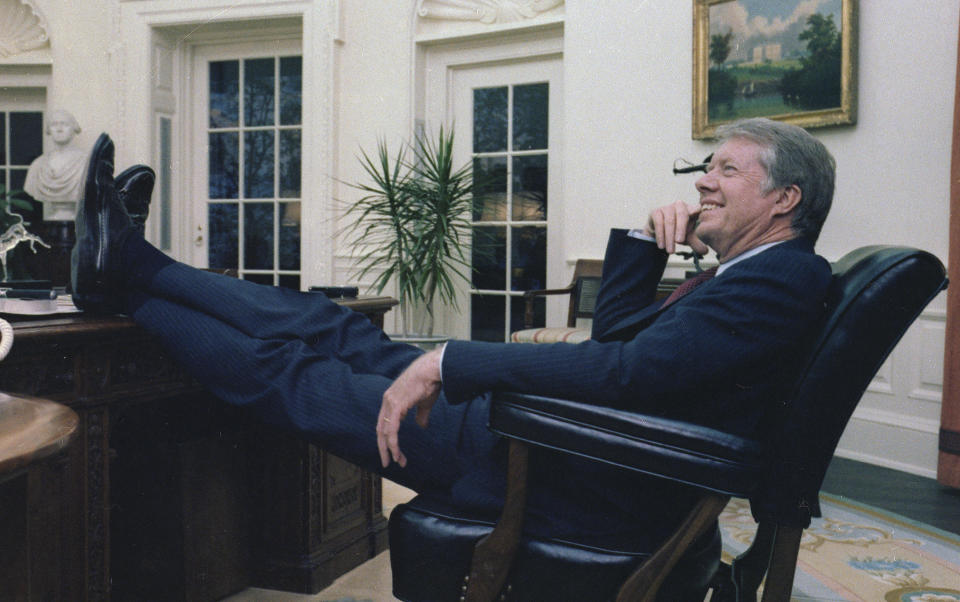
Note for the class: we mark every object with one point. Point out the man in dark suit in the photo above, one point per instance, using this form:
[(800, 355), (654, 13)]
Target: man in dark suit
[(718, 355)]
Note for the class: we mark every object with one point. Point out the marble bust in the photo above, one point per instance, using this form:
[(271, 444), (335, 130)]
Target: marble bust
[(55, 178)]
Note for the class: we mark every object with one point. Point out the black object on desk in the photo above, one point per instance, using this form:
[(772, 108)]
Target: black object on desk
[(336, 292), (27, 284)]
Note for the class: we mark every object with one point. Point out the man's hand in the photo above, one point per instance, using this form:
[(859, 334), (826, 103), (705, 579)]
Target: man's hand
[(674, 224), (418, 386)]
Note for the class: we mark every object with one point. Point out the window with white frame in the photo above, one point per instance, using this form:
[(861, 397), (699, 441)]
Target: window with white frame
[(505, 99), (510, 159), (252, 127), (21, 141)]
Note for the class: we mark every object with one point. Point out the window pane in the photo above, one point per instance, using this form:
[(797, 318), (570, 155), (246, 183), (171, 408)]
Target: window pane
[(530, 116), (259, 278), (3, 138), (529, 259), (530, 188), (490, 189), (224, 165), (489, 120), (258, 165), (290, 281), (289, 164), (224, 236), (17, 179), (260, 161), (258, 92), (489, 257), (518, 307), (291, 87), (290, 236), (487, 318), (258, 236), (26, 137), (224, 93)]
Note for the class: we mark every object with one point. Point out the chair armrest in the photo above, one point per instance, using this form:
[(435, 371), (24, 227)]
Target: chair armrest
[(529, 296), (549, 291), (672, 449)]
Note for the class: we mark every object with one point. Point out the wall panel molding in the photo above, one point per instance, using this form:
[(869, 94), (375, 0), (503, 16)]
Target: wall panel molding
[(896, 424), (882, 381), (897, 419)]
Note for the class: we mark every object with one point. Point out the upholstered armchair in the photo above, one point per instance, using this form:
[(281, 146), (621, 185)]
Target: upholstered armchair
[(582, 291)]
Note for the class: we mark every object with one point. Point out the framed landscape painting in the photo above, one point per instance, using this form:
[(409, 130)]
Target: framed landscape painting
[(790, 60)]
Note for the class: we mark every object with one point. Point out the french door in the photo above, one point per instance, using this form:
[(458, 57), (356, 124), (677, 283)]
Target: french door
[(246, 184), (513, 139)]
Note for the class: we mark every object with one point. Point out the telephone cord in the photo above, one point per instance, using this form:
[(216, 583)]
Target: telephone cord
[(6, 338)]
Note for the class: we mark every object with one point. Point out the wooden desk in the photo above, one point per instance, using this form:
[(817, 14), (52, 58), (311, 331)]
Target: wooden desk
[(31, 429), (168, 493)]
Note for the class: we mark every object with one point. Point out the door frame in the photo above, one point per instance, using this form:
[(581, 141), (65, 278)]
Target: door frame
[(464, 80), (194, 243), (319, 24), (948, 465), (438, 63)]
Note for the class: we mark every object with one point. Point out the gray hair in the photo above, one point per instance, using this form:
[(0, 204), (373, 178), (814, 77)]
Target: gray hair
[(791, 156)]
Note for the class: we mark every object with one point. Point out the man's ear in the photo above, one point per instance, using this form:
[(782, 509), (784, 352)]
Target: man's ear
[(790, 196)]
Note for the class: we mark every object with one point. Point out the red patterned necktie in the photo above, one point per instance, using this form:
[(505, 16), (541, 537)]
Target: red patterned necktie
[(688, 285)]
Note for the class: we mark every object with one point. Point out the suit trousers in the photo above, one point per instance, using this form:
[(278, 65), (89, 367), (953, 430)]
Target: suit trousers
[(302, 362)]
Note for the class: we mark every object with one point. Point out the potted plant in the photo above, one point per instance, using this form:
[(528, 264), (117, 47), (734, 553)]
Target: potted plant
[(411, 226)]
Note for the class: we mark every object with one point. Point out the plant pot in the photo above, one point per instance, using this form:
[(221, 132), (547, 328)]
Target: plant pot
[(423, 341)]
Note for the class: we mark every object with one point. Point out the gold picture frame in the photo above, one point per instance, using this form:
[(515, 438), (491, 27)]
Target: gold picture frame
[(781, 64)]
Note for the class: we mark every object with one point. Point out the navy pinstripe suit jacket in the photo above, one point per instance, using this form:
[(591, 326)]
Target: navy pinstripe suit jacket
[(716, 356)]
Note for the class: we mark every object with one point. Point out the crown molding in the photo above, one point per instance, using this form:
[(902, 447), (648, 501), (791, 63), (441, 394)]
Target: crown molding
[(487, 12)]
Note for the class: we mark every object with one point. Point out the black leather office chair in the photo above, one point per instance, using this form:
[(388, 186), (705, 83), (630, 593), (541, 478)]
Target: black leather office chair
[(443, 553)]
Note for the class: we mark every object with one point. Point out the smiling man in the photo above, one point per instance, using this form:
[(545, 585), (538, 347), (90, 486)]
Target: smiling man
[(719, 355)]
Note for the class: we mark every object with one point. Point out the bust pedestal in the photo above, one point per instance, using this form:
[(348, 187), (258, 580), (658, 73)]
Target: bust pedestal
[(59, 211)]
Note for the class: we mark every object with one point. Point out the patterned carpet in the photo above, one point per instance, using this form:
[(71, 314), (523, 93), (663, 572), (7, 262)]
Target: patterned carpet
[(856, 552)]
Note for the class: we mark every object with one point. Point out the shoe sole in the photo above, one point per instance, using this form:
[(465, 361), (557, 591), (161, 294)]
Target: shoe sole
[(136, 181), (91, 207)]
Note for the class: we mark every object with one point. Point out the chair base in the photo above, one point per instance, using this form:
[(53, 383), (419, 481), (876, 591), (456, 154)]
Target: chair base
[(432, 543)]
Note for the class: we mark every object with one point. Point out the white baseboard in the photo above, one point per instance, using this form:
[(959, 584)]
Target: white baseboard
[(887, 463)]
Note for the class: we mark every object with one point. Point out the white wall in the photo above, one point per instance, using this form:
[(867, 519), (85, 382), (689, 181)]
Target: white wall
[(75, 86), (374, 87), (633, 60)]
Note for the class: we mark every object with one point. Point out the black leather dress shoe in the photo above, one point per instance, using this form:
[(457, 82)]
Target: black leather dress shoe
[(101, 226), (134, 187)]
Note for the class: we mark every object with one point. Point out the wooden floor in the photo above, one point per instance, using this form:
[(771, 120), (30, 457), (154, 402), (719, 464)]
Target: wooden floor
[(917, 498)]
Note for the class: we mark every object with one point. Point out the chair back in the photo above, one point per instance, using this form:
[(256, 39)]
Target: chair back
[(876, 293), (586, 286)]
